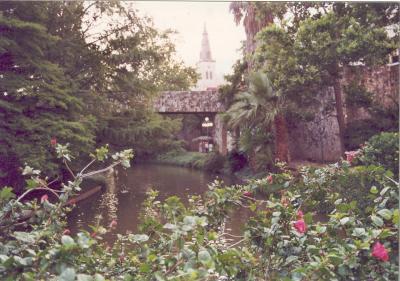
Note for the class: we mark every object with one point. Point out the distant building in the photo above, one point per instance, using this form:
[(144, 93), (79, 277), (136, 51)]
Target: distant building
[(206, 66)]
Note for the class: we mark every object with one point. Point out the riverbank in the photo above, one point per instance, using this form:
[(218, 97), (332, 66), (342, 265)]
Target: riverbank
[(210, 162)]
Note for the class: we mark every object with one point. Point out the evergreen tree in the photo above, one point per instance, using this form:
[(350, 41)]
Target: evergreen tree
[(38, 101)]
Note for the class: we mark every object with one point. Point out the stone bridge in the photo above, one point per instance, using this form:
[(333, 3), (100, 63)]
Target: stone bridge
[(205, 103), (189, 102)]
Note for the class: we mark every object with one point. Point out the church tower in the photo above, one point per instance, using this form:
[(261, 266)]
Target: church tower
[(206, 65)]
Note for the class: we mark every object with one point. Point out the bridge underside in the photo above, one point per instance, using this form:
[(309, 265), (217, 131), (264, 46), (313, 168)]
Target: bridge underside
[(199, 103)]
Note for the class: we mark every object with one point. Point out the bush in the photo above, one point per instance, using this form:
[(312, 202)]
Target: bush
[(382, 150), (284, 238), (235, 161), (214, 162)]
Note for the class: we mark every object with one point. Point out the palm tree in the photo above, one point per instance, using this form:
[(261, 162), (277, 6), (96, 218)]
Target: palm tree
[(260, 105)]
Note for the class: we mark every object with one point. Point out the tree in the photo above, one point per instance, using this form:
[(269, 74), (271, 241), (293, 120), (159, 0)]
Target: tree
[(37, 99), (60, 78), (304, 57), (340, 38), (260, 105)]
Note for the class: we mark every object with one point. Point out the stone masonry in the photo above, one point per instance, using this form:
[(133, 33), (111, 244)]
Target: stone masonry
[(196, 102), (188, 102)]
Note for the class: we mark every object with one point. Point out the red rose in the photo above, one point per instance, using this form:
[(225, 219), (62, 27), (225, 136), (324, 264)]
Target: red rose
[(270, 180), (53, 141), (300, 226), (113, 224), (44, 198), (379, 251), (66, 232), (247, 193)]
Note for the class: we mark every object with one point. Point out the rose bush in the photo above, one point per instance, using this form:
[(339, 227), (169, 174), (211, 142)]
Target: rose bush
[(290, 235)]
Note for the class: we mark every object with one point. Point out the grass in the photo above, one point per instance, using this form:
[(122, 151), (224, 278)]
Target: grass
[(187, 159)]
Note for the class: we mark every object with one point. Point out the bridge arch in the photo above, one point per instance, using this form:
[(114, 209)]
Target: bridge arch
[(204, 103)]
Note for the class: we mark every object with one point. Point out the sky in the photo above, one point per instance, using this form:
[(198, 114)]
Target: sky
[(188, 19)]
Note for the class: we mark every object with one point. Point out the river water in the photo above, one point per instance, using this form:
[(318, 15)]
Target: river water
[(126, 191)]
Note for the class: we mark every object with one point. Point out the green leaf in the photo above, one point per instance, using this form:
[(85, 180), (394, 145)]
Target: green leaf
[(99, 277), (377, 220), (159, 276), (385, 213), (204, 257), (383, 191), (83, 240), (31, 183), (144, 268), (373, 190), (67, 275), (396, 217), (24, 237), (84, 277), (290, 259), (6, 193), (308, 218), (67, 240), (140, 237), (320, 229), (344, 220), (358, 231)]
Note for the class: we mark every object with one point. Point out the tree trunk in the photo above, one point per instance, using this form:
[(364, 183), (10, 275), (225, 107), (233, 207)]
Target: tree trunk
[(339, 113), (281, 139)]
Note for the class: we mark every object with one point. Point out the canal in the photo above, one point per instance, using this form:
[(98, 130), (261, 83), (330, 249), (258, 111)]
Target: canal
[(126, 191)]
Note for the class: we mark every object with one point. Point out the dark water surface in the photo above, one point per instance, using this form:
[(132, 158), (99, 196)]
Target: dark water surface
[(126, 192)]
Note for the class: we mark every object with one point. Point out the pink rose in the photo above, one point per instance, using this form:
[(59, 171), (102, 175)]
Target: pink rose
[(350, 155), (66, 232), (44, 198), (247, 193), (270, 180), (300, 215), (53, 141), (379, 251), (300, 226), (113, 224)]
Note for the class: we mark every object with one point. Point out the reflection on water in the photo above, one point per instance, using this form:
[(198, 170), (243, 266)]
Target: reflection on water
[(127, 189)]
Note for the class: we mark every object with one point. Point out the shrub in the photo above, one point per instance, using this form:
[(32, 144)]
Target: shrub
[(382, 150), (284, 237), (235, 161), (214, 162)]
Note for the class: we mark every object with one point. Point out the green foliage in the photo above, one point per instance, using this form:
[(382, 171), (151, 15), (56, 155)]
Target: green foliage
[(189, 242), (214, 163), (184, 158), (357, 95), (151, 133), (63, 77), (37, 97), (211, 162), (382, 150), (257, 106), (258, 144), (235, 161), (305, 54)]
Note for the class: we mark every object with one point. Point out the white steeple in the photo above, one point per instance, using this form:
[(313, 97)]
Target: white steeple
[(205, 53), (206, 65)]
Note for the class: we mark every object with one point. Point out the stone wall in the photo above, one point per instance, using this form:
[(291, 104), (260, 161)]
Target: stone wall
[(188, 102), (318, 140), (382, 82)]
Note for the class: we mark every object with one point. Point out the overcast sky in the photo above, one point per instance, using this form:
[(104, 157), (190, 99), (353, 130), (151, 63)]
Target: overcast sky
[(188, 19)]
